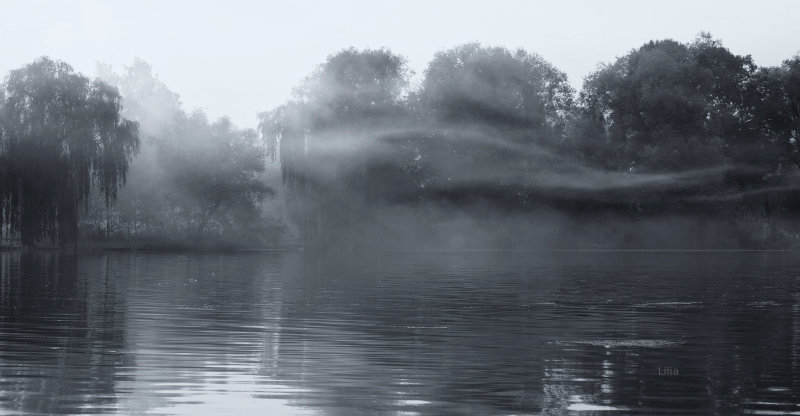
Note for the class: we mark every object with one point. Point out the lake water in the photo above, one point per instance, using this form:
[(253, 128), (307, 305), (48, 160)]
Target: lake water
[(400, 333)]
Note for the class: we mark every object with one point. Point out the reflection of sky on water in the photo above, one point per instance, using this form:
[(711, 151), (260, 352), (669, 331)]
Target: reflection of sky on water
[(232, 395)]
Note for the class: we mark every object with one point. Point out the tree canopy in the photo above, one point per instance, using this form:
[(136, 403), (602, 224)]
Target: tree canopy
[(476, 84), (194, 181), (62, 133), (668, 105), (661, 129), (667, 128)]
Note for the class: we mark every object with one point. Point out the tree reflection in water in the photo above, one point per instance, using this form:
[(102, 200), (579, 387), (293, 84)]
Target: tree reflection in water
[(293, 333)]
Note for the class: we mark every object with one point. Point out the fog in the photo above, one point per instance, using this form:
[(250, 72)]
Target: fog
[(492, 149), (464, 204), (457, 228)]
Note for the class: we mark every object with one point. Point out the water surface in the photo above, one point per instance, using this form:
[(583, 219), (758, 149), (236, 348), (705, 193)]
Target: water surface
[(400, 333)]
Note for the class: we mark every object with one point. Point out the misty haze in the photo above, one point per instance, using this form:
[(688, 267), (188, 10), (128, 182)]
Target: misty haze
[(476, 234)]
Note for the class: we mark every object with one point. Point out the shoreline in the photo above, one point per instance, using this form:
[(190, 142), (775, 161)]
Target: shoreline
[(145, 247), (156, 248)]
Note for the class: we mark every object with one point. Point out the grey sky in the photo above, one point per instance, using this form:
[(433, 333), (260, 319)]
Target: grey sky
[(237, 58)]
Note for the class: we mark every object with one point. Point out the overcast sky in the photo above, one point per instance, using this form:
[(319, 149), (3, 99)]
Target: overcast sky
[(237, 58)]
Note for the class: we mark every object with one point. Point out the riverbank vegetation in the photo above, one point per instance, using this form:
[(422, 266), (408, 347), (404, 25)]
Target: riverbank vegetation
[(671, 145)]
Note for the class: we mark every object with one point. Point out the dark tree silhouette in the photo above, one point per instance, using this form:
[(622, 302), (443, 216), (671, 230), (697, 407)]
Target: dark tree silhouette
[(670, 106), (62, 134)]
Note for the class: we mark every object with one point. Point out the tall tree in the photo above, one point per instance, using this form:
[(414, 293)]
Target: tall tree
[(63, 134), (492, 85), (494, 117), (668, 105), (335, 112), (774, 98)]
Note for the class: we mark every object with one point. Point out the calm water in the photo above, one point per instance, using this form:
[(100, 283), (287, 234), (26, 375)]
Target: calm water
[(400, 334)]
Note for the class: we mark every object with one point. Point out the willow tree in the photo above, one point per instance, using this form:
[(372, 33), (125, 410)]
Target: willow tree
[(62, 134)]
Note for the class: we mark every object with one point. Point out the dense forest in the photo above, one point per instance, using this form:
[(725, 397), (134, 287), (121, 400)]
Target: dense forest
[(672, 145)]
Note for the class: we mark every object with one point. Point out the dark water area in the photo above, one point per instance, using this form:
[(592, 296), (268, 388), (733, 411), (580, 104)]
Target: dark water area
[(400, 333)]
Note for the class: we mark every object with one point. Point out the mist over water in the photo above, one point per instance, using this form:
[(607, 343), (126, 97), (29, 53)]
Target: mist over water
[(673, 145), (496, 140), (485, 240)]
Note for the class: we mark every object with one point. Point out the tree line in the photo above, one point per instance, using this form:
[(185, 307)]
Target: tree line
[(68, 144), (668, 128)]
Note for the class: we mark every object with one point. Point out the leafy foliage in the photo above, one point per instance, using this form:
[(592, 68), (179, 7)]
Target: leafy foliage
[(668, 127), (61, 134), (668, 105), (196, 182)]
